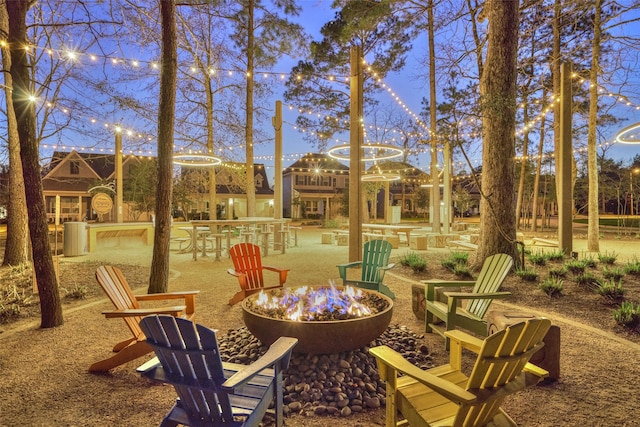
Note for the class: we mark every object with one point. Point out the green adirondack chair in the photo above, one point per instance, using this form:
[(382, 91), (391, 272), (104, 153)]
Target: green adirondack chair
[(469, 316), (374, 264)]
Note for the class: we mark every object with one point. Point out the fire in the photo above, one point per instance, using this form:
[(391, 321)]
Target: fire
[(306, 303)]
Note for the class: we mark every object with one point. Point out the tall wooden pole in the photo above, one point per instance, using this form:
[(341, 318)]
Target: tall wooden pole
[(276, 121), (119, 189), (356, 137), (563, 162)]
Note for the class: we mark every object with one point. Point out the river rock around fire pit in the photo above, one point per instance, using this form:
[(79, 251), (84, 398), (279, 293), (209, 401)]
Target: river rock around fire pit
[(330, 384), (329, 335)]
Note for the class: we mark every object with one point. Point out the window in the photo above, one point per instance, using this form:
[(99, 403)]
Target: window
[(74, 167)]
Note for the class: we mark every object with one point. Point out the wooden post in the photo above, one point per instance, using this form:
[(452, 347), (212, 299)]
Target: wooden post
[(356, 137), (119, 188), (446, 180), (563, 163), (276, 121)]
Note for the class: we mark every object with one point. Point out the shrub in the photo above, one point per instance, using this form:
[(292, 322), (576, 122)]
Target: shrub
[(576, 267), (588, 280), (538, 259), (77, 292), (455, 261), (615, 273), (9, 312), (459, 257), (461, 270), (418, 265), (408, 258), (558, 271), (556, 255), (552, 286), (627, 315), (528, 274), (607, 258), (589, 262), (331, 223), (612, 290), (633, 268)]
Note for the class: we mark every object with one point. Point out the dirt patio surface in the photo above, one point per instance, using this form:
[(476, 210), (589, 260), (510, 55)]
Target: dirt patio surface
[(45, 381)]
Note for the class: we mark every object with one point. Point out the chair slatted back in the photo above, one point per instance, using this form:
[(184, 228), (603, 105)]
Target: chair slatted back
[(247, 260), (115, 285), (494, 270), (191, 360), (375, 254), (501, 360)]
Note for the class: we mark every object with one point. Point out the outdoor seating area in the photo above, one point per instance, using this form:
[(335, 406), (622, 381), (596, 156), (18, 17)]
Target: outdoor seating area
[(207, 276)]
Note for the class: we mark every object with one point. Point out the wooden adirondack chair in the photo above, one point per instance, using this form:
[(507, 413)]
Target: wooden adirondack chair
[(127, 305), (445, 396), (212, 393), (471, 316), (374, 264), (248, 268)]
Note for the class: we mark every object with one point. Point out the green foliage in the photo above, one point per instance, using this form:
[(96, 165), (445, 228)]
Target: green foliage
[(77, 292), (331, 223), (627, 315), (462, 271), (612, 290), (9, 312), (556, 255), (589, 261), (588, 280), (408, 258), (538, 259), (576, 267), (552, 286), (457, 261), (460, 257), (528, 274), (607, 258), (633, 268), (615, 273), (418, 265), (558, 271)]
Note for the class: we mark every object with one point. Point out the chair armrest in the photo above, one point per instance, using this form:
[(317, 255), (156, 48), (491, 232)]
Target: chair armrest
[(279, 353), (471, 295), (242, 278), (133, 312), (390, 360), (342, 268), (437, 283), (383, 270), (282, 272), (189, 298), (465, 340)]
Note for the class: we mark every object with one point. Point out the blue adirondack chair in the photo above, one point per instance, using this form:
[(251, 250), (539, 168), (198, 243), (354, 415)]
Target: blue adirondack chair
[(213, 393), (374, 264)]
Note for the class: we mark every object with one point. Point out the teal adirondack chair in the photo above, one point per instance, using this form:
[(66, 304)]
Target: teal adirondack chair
[(374, 264), (469, 316)]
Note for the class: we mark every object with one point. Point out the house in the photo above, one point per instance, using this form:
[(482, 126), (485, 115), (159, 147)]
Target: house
[(77, 177), (314, 187)]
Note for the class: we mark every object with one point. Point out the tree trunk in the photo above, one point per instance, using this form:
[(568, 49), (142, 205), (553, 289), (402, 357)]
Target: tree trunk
[(498, 104), (523, 166), (159, 278), (536, 183), (16, 249), (593, 228), (433, 130), (50, 305), (213, 211), (555, 71), (251, 182)]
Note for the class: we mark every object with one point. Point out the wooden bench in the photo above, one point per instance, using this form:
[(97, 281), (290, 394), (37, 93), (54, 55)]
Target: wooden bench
[(117, 234), (544, 242), (461, 244)]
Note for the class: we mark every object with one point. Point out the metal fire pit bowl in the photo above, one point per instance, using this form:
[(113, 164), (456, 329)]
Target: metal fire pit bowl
[(319, 337)]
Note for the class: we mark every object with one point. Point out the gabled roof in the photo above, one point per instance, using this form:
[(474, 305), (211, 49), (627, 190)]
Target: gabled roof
[(312, 161), (406, 170), (102, 164)]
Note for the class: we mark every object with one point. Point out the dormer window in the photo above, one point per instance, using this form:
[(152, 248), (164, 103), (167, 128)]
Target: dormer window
[(259, 180)]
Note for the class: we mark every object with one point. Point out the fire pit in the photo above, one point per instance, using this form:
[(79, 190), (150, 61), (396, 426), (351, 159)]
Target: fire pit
[(325, 319)]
